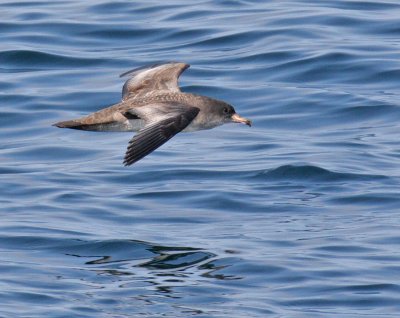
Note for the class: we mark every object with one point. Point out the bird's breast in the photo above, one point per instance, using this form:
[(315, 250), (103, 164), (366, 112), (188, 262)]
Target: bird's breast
[(202, 122)]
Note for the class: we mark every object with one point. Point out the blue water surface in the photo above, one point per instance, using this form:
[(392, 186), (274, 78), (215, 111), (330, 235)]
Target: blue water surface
[(297, 216)]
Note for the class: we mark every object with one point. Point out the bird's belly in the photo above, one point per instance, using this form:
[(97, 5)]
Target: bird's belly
[(127, 125), (195, 126), (136, 124)]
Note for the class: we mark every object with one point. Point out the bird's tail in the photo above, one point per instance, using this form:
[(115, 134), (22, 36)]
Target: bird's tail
[(68, 124)]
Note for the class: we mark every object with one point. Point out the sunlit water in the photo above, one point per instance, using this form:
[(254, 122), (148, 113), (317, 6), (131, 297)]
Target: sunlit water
[(298, 216)]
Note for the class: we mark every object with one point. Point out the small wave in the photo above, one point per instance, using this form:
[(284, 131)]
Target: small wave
[(312, 173), (38, 60), (110, 34), (363, 6), (369, 199), (147, 254), (230, 39), (108, 7), (361, 113), (178, 260)]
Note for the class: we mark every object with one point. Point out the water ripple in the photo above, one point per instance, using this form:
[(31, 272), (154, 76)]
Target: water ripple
[(36, 59), (296, 217), (313, 173)]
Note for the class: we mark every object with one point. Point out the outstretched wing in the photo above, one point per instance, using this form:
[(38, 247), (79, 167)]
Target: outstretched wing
[(155, 134), (155, 77)]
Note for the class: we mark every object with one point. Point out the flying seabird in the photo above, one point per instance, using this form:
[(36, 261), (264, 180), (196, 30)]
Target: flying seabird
[(153, 105)]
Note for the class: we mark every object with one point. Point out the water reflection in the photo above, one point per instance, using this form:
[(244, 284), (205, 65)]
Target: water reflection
[(160, 260)]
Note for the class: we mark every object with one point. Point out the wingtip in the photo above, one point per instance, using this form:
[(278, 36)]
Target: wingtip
[(126, 164), (151, 66)]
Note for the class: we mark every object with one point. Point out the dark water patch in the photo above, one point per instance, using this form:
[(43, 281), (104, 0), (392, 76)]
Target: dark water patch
[(370, 199), (115, 34), (255, 147), (38, 60), (234, 271), (326, 67), (232, 201), (178, 260), (197, 15), (212, 199), (107, 251), (29, 154), (267, 57), (233, 4), (15, 191), (9, 119), (340, 249), (363, 113), (109, 7), (361, 6), (14, 170), (348, 302), (146, 9), (342, 144), (221, 268), (171, 175), (32, 16), (192, 36), (385, 76), (42, 229), (27, 298), (29, 4), (20, 99), (392, 240), (368, 288), (168, 195), (230, 39), (314, 18), (36, 39), (29, 242), (151, 256), (283, 34), (5, 85), (390, 28), (312, 173), (61, 30), (348, 21)]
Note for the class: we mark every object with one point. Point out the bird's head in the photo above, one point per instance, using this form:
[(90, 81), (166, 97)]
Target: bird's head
[(230, 115)]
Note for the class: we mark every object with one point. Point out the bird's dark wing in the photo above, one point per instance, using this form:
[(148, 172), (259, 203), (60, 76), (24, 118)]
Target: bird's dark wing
[(155, 134), (150, 78)]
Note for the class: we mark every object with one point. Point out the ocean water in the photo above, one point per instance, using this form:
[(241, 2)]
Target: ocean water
[(297, 216)]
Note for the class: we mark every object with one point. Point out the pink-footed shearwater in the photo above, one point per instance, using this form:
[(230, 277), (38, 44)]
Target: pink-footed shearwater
[(154, 106)]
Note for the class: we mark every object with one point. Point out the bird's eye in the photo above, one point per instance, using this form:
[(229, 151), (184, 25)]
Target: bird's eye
[(226, 110)]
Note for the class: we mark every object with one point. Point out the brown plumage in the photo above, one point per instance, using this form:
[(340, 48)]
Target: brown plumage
[(153, 104)]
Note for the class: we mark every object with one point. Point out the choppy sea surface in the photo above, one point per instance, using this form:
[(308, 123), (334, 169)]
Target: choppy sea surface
[(297, 216)]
